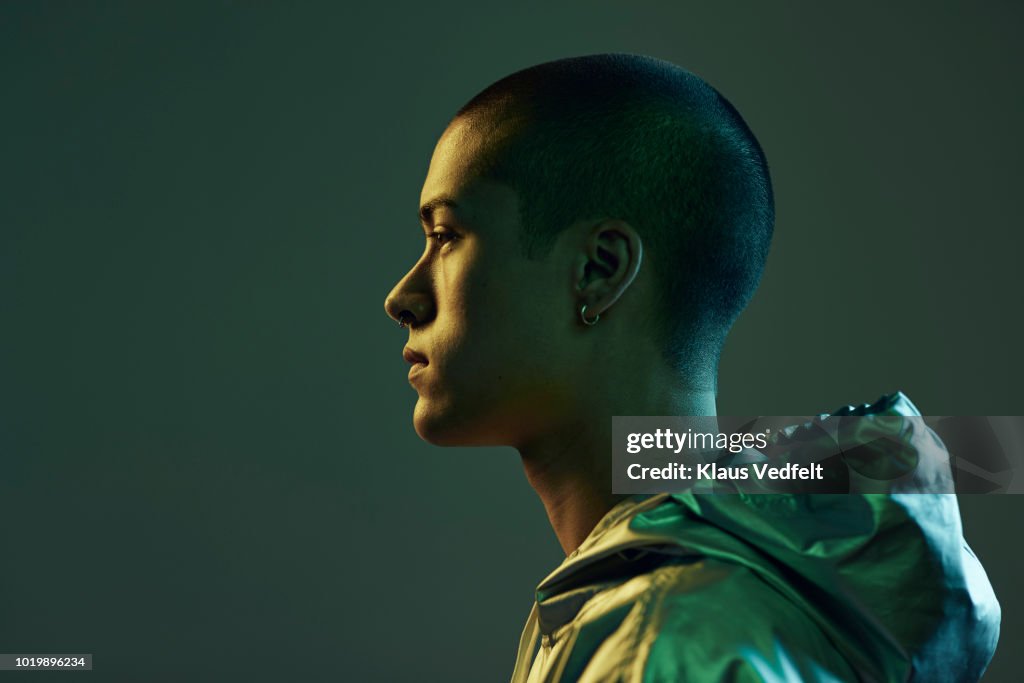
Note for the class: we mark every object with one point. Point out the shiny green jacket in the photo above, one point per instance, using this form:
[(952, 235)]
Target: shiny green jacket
[(768, 587)]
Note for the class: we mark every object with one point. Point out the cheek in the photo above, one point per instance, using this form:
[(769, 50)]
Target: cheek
[(517, 342), (501, 323), (471, 297)]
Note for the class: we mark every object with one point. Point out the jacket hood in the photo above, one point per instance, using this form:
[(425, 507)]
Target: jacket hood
[(888, 578)]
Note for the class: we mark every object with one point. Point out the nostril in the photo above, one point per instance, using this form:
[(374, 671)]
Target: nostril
[(406, 319), (395, 309)]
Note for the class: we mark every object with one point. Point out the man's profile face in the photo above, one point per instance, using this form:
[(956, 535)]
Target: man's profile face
[(492, 324)]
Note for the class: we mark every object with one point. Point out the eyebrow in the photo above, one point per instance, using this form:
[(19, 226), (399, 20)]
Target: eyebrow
[(427, 210)]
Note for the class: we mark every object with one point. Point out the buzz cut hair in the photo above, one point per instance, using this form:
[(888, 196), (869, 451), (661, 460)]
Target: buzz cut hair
[(645, 141)]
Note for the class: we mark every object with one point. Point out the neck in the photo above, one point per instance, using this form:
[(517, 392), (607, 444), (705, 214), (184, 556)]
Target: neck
[(570, 468)]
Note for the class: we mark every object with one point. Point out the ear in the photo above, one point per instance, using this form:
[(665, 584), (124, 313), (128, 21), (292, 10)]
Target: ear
[(609, 265)]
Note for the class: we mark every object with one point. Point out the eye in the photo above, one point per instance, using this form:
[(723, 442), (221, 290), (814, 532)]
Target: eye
[(441, 237)]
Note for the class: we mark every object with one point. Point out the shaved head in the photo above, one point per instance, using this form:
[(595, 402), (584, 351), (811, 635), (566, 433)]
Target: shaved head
[(645, 141)]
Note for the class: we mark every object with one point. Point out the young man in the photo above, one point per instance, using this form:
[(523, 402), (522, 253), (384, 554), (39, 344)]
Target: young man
[(594, 227)]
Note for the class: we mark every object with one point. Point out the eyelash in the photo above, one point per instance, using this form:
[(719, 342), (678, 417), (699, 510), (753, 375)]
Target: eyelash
[(442, 238)]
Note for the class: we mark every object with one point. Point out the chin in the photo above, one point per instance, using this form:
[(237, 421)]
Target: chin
[(450, 427)]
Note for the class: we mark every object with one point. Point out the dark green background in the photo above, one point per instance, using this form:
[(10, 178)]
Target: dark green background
[(208, 465)]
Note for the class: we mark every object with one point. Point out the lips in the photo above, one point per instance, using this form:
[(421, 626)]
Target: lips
[(418, 361), (413, 356)]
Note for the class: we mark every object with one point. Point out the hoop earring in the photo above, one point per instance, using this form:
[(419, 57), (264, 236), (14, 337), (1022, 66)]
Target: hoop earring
[(583, 316)]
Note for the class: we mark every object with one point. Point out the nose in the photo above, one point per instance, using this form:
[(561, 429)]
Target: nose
[(411, 300)]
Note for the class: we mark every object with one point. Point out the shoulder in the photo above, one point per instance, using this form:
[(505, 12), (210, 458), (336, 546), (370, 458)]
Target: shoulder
[(712, 621)]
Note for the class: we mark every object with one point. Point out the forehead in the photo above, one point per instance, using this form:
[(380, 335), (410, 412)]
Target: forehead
[(455, 175)]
